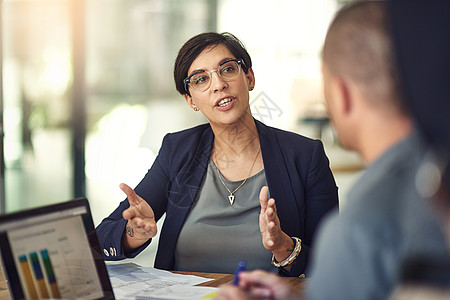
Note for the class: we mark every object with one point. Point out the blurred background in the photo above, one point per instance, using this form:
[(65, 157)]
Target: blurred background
[(88, 90)]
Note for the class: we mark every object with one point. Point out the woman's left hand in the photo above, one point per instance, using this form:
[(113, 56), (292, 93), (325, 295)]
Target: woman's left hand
[(273, 238)]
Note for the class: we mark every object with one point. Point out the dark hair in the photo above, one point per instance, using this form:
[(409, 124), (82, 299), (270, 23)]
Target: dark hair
[(195, 45), (358, 45)]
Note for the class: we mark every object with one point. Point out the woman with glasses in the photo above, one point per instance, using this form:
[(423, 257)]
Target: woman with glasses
[(213, 181)]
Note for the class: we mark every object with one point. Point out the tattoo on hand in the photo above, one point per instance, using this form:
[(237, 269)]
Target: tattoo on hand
[(130, 231)]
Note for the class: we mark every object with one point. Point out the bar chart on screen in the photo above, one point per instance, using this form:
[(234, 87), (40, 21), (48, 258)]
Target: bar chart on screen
[(61, 269)]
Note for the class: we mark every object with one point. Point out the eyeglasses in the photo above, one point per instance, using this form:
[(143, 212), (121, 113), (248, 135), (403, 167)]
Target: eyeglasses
[(201, 80)]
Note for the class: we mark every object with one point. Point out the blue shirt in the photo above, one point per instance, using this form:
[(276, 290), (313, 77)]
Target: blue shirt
[(359, 252)]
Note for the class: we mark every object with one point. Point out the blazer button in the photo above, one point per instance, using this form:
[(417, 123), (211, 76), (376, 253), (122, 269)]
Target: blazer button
[(106, 252), (302, 276)]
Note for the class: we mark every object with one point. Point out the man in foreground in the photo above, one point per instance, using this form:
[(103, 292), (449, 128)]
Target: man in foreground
[(359, 252)]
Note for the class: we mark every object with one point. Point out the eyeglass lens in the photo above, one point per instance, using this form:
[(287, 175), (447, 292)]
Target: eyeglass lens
[(228, 71)]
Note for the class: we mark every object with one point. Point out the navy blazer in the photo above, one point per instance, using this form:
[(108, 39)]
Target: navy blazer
[(297, 173)]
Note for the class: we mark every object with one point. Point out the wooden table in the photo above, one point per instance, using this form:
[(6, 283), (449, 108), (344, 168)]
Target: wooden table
[(219, 279)]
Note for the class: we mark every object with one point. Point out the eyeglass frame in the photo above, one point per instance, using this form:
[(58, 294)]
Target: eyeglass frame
[(187, 80)]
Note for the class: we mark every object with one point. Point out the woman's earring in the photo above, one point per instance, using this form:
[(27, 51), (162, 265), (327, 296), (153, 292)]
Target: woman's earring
[(251, 88), (195, 108)]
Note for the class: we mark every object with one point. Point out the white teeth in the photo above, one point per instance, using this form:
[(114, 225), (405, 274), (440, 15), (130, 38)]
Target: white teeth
[(224, 102)]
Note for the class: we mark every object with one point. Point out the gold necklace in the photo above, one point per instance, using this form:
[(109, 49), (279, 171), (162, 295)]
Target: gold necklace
[(231, 196)]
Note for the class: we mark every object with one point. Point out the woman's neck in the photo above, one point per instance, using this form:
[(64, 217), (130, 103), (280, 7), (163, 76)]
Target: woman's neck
[(236, 150), (240, 137)]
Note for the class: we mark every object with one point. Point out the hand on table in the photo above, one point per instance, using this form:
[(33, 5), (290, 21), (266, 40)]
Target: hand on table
[(273, 238), (141, 224), (258, 285)]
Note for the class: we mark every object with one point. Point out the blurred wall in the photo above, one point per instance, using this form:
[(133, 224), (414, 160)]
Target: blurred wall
[(131, 101)]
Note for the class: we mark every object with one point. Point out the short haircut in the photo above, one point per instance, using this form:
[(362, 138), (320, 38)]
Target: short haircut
[(358, 46), (194, 46)]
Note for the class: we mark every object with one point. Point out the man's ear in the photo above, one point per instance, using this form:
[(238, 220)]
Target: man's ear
[(345, 95)]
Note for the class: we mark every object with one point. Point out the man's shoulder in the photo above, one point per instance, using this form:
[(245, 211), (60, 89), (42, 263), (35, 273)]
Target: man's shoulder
[(383, 219), (378, 200), (388, 184)]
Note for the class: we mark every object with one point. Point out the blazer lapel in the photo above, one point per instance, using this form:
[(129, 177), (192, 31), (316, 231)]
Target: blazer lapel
[(277, 176), (186, 186)]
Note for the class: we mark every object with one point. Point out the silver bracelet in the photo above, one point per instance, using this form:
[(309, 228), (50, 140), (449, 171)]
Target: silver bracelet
[(291, 258)]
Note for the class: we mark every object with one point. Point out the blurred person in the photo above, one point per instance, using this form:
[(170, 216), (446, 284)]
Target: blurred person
[(213, 181), (424, 73), (424, 77), (359, 252)]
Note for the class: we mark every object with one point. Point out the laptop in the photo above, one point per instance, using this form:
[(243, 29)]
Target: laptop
[(53, 252)]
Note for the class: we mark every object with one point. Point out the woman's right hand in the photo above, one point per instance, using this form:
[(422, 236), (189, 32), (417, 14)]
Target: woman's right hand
[(141, 224)]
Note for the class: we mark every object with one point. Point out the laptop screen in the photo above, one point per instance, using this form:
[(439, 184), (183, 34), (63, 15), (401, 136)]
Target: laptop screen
[(53, 252)]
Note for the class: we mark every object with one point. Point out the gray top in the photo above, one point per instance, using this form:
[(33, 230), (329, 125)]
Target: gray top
[(360, 252), (213, 222)]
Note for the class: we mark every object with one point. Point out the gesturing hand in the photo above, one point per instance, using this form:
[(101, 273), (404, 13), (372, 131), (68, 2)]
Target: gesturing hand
[(141, 224), (273, 238)]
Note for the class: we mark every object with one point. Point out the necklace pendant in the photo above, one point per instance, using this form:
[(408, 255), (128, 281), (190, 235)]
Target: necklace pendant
[(231, 199)]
